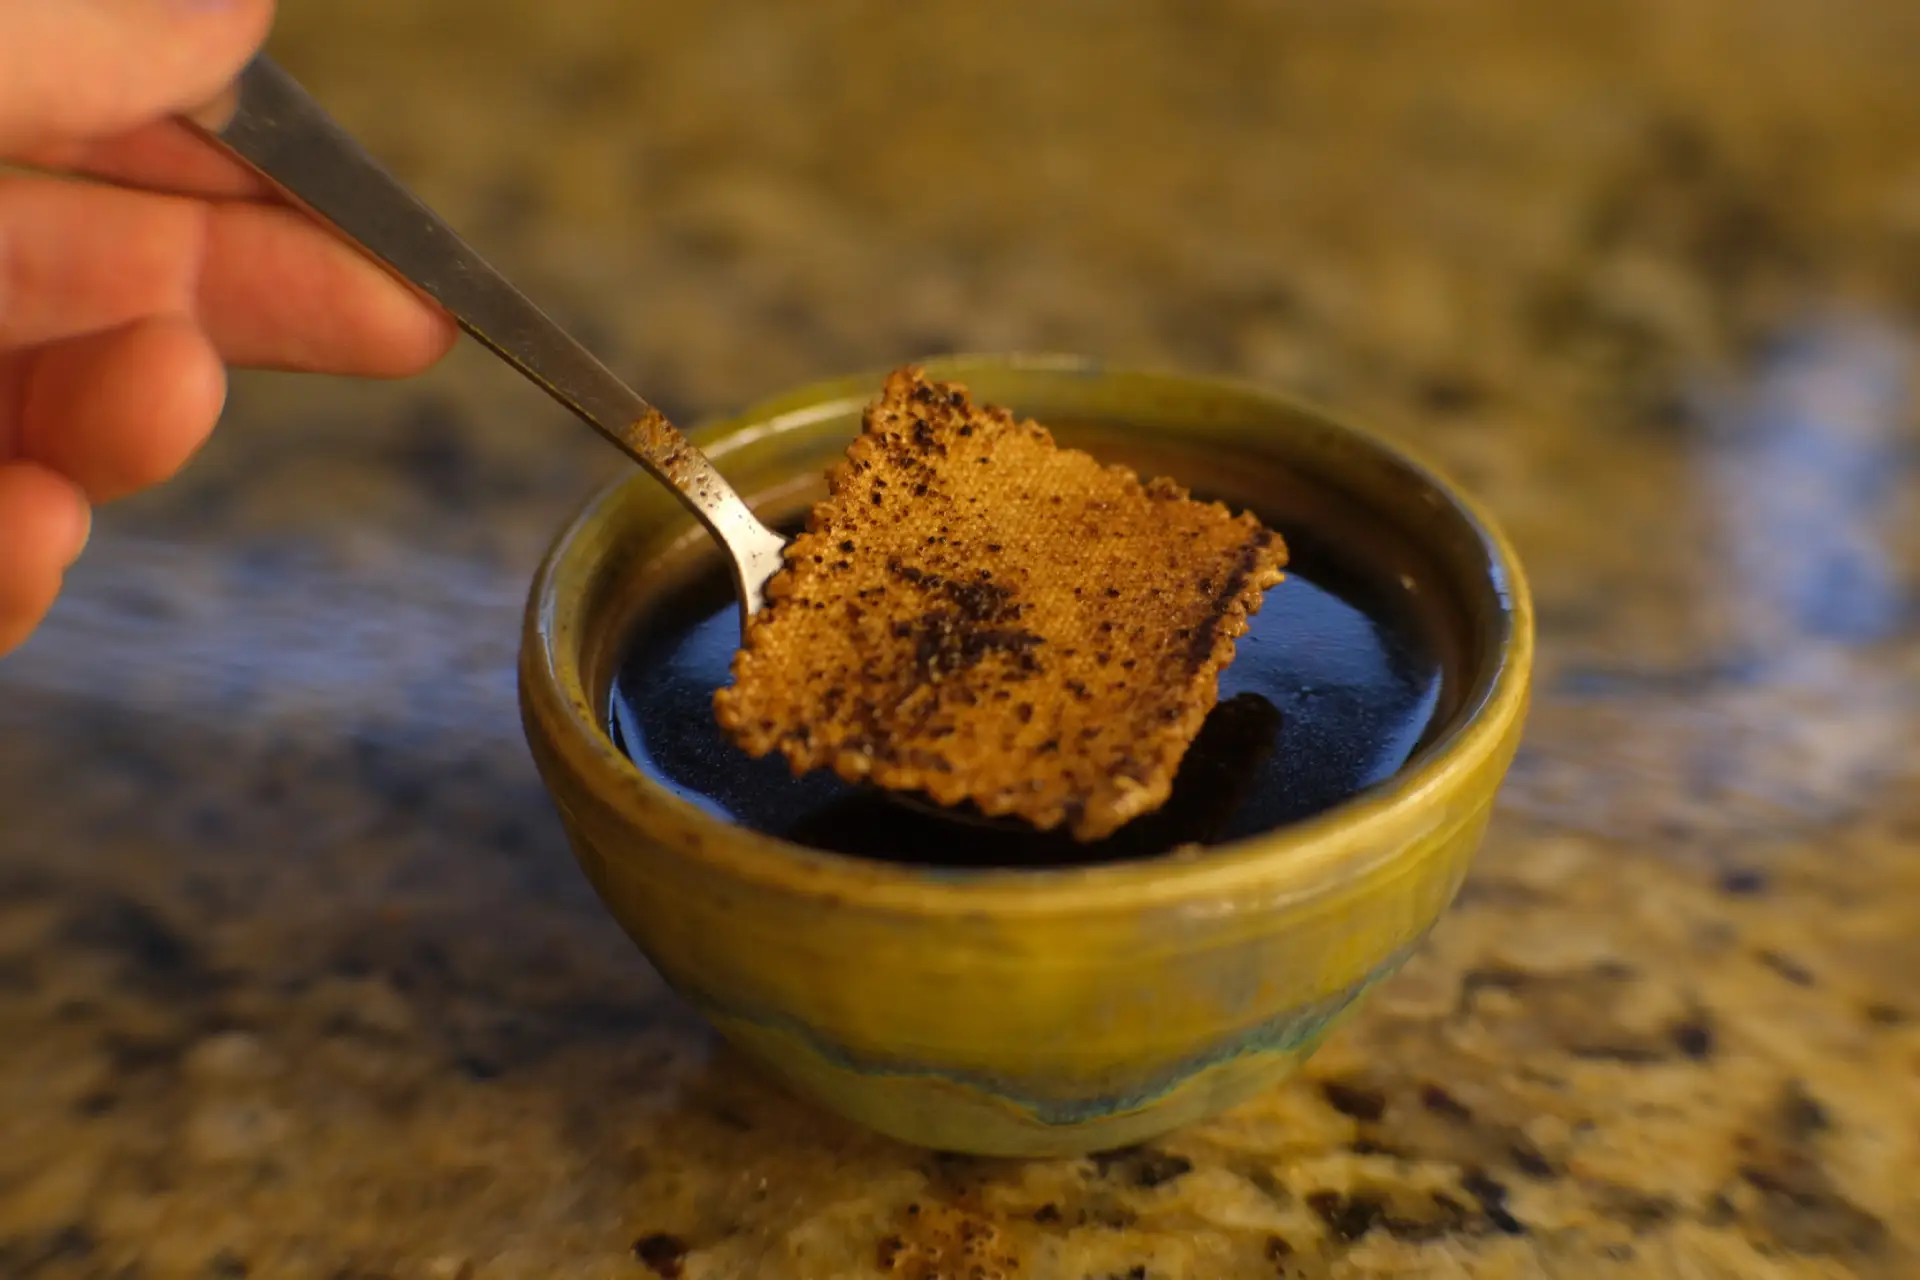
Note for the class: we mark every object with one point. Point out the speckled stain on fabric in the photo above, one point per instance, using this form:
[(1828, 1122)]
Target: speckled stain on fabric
[(297, 979)]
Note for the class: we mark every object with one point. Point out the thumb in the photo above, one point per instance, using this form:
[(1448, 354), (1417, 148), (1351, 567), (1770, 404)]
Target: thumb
[(75, 69)]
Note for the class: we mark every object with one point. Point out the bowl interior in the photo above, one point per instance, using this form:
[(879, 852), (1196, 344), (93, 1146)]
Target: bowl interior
[(1362, 522)]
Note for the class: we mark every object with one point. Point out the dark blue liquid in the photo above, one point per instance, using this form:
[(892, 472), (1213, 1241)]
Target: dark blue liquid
[(1330, 692)]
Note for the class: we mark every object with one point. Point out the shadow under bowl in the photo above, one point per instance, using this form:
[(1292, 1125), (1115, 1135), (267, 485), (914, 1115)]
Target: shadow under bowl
[(1041, 1008)]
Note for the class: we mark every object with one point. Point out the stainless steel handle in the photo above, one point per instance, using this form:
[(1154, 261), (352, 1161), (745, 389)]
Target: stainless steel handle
[(278, 130)]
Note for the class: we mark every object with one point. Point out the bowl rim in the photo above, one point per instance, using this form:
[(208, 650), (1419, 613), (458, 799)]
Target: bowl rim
[(1300, 860)]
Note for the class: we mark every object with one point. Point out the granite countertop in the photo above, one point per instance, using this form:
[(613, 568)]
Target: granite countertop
[(297, 976)]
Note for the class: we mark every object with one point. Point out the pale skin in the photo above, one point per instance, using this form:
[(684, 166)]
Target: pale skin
[(137, 264)]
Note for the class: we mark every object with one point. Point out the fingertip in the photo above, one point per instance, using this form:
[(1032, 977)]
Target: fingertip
[(230, 34), (168, 393), (226, 35), (422, 339), (120, 412), (44, 525), (384, 329), (279, 292), (79, 531), (190, 395), (47, 516)]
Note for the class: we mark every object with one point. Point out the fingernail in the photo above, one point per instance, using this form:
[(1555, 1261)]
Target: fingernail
[(216, 115)]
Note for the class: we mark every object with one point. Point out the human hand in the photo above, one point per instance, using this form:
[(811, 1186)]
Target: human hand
[(125, 292)]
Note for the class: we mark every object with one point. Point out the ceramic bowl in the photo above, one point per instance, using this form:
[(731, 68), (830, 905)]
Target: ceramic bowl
[(1063, 1009)]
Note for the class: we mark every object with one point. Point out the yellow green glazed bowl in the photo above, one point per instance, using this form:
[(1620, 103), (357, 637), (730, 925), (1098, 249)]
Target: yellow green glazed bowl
[(1056, 1010)]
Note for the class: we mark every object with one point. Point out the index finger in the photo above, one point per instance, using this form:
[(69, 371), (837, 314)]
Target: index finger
[(82, 69)]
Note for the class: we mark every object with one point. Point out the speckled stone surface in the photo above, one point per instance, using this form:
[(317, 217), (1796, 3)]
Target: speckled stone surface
[(297, 978)]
